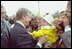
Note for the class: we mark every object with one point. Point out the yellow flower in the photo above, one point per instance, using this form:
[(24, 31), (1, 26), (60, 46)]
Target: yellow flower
[(50, 31)]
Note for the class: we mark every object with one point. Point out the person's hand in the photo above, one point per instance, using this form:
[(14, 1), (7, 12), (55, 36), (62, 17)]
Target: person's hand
[(47, 45), (43, 39)]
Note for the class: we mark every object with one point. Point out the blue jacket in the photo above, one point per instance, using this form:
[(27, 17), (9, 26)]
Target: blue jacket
[(20, 38), (4, 34)]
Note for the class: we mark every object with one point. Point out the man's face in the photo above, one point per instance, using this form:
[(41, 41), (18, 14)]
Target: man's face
[(27, 19), (57, 21), (69, 15), (3, 13)]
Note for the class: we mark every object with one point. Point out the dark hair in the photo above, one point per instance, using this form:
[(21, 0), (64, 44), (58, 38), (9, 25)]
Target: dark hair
[(34, 24), (6, 17), (62, 12), (21, 12)]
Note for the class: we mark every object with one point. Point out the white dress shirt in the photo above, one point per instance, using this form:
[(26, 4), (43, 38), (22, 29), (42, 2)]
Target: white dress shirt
[(67, 28)]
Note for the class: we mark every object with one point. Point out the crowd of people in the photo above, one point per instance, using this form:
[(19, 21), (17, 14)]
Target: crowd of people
[(15, 32)]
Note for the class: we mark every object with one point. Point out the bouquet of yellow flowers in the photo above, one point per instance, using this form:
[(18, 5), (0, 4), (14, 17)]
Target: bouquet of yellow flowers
[(51, 31)]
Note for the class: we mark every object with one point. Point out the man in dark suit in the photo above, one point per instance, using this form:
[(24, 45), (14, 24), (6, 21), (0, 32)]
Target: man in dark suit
[(20, 38), (19, 35), (5, 30)]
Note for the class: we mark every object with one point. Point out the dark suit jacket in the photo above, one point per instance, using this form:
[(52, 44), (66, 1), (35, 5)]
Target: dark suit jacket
[(20, 38), (37, 46), (4, 34)]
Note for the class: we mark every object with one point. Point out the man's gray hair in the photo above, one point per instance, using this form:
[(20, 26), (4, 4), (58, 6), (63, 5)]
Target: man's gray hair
[(22, 12)]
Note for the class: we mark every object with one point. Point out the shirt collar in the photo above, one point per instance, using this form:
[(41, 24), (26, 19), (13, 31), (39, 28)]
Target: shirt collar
[(21, 23)]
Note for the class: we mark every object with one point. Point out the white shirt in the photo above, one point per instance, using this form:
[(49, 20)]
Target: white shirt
[(39, 45), (67, 28), (12, 26)]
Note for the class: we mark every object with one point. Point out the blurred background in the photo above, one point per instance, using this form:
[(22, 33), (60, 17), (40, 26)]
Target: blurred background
[(38, 8)]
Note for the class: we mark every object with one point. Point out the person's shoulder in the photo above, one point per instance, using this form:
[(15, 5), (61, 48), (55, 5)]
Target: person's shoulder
[(18, 28)]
